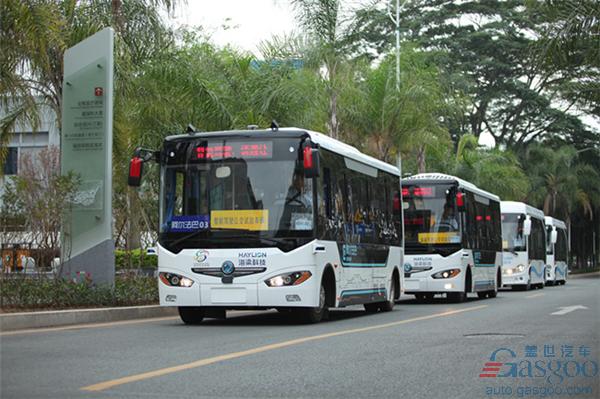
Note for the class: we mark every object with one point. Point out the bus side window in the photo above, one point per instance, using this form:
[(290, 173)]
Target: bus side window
[(327, 192)]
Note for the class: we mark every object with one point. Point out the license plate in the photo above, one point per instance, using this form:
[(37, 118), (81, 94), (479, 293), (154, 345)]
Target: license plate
[(228, 295)]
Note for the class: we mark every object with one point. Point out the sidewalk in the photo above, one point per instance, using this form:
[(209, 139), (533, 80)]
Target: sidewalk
[(56, 318)]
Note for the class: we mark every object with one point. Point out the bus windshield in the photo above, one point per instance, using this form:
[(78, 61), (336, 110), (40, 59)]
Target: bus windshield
[(512, 232), (255, 187), (430, 215)]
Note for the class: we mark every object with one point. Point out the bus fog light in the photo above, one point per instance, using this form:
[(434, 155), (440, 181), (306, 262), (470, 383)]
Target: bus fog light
[(287, 279), (171, 298), (293, 298), (448, 286), (450, 273)]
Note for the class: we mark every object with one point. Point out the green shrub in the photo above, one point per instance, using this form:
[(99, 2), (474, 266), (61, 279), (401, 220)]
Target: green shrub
[(24, 292), (134, 259)]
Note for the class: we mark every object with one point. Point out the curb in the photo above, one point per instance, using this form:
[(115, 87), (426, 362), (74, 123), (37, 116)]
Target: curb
[(584, 275), (56, 318)]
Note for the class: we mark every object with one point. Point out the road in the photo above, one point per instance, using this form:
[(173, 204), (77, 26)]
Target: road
[(432, 350)]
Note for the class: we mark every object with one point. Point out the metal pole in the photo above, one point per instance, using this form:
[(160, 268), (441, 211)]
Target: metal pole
[(398, 45), (396, 22)]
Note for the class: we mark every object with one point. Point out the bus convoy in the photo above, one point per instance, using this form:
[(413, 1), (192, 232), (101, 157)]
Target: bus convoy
[(295, 220)]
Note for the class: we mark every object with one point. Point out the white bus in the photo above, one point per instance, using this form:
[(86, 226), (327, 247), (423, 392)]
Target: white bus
[(452, 238), (557, 251), (524, 246), (280, 218)]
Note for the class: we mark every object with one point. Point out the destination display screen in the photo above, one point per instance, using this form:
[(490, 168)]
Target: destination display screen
[(426, 192), (247, 150)]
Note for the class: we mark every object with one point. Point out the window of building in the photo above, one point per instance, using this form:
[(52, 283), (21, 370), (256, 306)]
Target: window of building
[(12, 161)]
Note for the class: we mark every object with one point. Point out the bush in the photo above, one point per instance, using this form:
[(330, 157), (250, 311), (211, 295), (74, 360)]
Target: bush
[(23, 292), (134, 259)]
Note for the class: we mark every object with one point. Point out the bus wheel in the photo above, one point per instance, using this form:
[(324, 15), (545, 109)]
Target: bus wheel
[(314, 315), (371, 307), (387, 306), (528, 286), (191, 314), (457, 297), (482, 294)]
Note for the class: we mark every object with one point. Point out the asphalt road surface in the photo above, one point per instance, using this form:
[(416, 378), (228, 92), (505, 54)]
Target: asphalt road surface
[(432, 350)]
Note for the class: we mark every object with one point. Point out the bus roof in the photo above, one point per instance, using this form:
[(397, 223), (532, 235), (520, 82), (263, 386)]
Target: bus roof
[(521, 207), (323, 140), (441, 177), (550, 221)]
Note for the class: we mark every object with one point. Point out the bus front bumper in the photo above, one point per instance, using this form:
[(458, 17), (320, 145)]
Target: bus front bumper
[(514, 279), (255, 294), (427, 284)]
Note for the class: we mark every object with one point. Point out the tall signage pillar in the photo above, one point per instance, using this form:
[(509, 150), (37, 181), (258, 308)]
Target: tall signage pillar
[(86, 150)]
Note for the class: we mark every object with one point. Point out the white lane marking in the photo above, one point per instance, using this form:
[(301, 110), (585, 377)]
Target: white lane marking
[(568, 309)]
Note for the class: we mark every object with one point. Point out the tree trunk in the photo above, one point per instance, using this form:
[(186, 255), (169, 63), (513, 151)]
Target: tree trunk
[(333, 121), (421, 166)]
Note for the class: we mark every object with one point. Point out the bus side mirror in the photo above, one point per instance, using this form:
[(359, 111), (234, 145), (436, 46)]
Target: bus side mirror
[(311, 162), (553, 236), (136, 167), (527, 227)]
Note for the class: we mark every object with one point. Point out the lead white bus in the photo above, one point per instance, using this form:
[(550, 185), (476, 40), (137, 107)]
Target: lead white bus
[(453, 238), (557, 251), (524, 246), (280, 218)]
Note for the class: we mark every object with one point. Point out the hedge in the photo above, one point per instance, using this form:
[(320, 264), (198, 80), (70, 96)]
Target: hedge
[(24, 292), (134, 259)]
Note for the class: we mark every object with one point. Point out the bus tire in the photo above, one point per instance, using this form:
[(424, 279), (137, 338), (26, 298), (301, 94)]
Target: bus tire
[(371, 307), (388, 305), (482, 294), (316, 314), (457, 297), (528, 286), (191, 315)]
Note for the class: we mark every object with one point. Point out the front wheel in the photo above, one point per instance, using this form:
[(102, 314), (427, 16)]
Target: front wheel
[(191, 314), (388, 305), (457, 297), (314, 315)]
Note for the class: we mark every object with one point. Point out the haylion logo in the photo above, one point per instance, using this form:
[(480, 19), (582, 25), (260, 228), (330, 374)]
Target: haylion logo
[(201, 255), (491, 368)]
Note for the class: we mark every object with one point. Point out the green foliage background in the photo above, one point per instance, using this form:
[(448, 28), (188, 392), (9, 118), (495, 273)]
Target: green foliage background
[(524, 72)]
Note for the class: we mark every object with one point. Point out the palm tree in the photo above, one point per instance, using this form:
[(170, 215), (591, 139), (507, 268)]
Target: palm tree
[(35, 34), (330, 31)]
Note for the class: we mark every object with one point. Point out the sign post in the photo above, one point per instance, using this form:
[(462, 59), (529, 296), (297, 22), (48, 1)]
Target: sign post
[(86, 149)]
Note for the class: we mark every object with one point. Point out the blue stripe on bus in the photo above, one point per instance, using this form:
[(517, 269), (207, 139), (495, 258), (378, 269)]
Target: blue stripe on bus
[(363, 292), (485, 264), (541, 274)]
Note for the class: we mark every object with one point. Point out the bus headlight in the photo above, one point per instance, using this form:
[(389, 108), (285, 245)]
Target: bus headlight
[(519, 268), (446, 273), (175, 280), (294, 278)]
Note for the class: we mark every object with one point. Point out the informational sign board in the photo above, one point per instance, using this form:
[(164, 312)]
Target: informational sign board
[(86, 150)]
